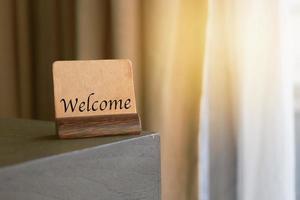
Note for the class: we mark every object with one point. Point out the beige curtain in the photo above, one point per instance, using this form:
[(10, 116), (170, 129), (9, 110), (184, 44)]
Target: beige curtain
[(164, 39)]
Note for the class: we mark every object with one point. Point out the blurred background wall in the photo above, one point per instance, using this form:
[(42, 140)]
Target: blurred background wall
[(164, 39)]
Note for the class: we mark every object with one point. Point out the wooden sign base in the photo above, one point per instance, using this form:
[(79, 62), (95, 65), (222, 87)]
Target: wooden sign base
[(102, 125)]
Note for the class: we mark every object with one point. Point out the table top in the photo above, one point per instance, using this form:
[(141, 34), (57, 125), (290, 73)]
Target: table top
[(24, 140)]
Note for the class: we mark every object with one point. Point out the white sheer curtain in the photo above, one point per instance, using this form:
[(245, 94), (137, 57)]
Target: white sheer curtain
[(247, 133)]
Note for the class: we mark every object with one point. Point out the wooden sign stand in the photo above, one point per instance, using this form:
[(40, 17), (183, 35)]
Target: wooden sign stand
[(81, 127), (94, 98)]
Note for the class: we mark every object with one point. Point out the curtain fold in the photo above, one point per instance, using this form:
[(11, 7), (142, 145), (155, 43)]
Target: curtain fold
[(93, 29), (46, 48), (174, 42), (247, 103), (8, 85), (24, 61)]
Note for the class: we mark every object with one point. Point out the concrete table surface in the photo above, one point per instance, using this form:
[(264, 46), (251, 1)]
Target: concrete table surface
[(35, 164)]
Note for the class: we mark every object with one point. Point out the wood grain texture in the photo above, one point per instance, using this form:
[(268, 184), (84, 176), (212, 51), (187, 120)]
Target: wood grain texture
[(92, 126)]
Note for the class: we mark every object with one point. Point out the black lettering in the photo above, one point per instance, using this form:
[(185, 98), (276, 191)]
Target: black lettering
[(81, 106), (115, 102), (70, 104), (105, 105), (93, 108), (88, 102), (127, 104), (91, 105)]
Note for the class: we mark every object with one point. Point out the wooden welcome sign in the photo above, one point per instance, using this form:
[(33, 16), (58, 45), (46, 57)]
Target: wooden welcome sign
[(94, 98)]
